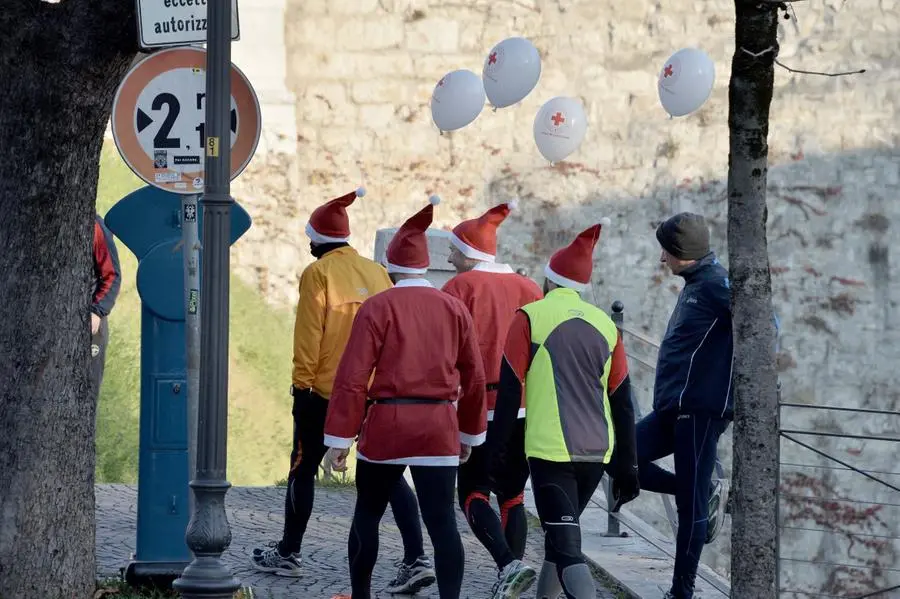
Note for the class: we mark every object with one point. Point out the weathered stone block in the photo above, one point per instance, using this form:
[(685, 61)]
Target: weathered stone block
[(376, 91), (352, 7), (374, 33), (434, 66), (378, 117), (432, 35), (311, 32), (440, 271)]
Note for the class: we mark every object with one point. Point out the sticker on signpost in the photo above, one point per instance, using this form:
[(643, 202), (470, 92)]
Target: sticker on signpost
[(159, 115)]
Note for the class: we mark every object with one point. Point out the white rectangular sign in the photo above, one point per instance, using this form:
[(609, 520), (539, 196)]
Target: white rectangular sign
[(163, 23)]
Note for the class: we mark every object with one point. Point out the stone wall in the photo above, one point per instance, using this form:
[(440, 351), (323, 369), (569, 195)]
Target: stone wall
[(362, 72)]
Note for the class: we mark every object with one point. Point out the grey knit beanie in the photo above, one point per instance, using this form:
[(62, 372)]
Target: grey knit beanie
[(684, 236)]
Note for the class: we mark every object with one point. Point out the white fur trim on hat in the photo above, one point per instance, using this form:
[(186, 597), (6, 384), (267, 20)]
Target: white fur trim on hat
[(605, 222), (317, 237), (468, 251), (360, 192), (434, 200), (563, 281), (512, 204), (406, 270)]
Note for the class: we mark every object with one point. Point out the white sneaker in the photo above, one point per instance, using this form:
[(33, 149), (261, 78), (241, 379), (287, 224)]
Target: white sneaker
[(268, 559), (513, 580), (412, 578), (717, 501)]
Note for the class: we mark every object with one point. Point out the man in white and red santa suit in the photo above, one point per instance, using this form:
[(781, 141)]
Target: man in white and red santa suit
[(332, 290), (493, 292), (422, 348)]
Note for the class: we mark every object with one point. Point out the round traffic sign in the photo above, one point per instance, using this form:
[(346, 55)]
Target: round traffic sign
[(159, 114)]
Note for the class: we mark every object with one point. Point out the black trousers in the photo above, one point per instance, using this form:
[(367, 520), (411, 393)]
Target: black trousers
[(309, 448), (561, 492), (503, 537), (434, 486), (98, 357), (692, 439)]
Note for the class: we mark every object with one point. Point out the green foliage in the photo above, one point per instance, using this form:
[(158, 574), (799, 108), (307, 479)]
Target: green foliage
[(260, 425), (117, 589)]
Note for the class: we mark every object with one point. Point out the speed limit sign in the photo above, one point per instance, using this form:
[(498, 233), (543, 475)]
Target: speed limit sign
[(159, 114)]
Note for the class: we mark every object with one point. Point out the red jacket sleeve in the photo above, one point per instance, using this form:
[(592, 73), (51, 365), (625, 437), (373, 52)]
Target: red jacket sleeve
[(618, 369), (347, 406), (472, 406), (107, 273)]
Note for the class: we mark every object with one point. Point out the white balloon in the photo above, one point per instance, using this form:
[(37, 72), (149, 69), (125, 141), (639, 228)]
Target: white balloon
[(559, 128), (511, 70), (685, 81), (457, 100)]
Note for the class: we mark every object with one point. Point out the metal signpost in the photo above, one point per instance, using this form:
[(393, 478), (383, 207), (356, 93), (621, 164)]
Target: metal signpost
[(209, 533), (164, 23), (190, 249), (174, 137)]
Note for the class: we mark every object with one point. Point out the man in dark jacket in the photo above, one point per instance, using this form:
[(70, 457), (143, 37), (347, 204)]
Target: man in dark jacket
[(692, 396)]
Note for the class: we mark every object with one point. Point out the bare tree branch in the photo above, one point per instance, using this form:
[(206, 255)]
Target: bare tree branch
[(802, 72), (798, 71)]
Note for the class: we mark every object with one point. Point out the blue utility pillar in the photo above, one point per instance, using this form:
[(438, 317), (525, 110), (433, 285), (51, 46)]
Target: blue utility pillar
[(148, 221)]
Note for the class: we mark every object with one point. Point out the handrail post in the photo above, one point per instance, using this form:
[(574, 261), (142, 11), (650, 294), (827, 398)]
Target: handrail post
[(617, 313)]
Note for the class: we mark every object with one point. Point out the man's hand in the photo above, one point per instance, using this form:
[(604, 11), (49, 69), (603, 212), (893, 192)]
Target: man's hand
[(95, 323), (337, 457), (626, 487), (464, 452)]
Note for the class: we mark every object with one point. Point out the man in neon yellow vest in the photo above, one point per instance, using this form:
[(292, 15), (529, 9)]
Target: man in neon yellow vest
[(569, 357)]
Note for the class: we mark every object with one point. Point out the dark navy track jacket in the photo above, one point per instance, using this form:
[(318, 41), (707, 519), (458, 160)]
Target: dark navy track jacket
[(693, 370)]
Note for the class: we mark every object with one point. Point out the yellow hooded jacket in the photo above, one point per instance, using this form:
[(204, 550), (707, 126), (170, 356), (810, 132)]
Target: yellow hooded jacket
[(332, 289)]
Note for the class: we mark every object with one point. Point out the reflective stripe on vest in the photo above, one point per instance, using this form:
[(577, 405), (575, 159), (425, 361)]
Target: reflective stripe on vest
[(567, 408)]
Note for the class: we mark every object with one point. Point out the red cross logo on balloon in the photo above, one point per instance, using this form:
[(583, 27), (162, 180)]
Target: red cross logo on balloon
[(668, 71), (492, 58), (558, 119)]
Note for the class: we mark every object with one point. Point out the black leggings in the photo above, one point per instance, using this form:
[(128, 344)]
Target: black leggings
[(503, 537), (434, 486), (561, 492), (309, 448)]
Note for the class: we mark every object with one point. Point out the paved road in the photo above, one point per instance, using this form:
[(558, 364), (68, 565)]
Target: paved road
[(255, 514)]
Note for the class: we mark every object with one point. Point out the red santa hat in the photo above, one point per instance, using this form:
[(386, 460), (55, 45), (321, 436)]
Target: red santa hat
[(571, 266), (329, 223), (407, 253), (477, 238)]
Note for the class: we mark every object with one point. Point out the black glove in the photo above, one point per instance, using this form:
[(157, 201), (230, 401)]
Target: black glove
[(626, 486), (299, 395)]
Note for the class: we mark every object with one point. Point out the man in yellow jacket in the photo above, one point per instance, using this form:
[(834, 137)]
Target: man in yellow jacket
[(332, 289)]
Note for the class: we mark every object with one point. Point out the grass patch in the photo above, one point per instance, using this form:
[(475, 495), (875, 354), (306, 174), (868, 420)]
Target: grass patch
[(117, 589), (259, 424)]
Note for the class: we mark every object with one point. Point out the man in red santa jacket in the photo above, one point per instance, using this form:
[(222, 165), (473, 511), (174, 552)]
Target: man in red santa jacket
[(423, 350), (493, 292)]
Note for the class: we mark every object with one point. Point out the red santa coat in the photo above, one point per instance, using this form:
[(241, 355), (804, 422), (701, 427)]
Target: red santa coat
[(421, 344), (493, 293)]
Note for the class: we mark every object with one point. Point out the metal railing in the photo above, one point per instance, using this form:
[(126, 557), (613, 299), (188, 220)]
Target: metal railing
[(813, 504), (851, 520)]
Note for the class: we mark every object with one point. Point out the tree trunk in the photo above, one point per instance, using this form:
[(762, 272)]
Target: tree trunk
[(60, 65), (754, 533)]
